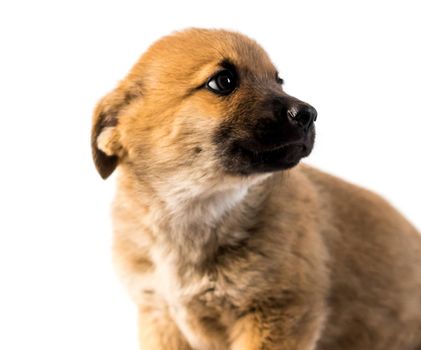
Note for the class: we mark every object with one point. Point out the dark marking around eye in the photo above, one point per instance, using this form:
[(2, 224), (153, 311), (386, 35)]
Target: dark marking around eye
[(227, 64), (278, 79)]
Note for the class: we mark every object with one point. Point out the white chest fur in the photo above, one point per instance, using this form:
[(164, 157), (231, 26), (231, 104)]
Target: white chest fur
[(184, 226), (189, 299)]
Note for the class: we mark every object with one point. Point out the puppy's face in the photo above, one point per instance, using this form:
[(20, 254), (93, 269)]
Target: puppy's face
[(201, 105)]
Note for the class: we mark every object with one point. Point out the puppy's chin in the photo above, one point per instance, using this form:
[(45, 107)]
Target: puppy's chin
[(238, 158)]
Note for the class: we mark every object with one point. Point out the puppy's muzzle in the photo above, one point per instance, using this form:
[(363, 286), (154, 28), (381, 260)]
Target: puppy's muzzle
[(275, 137), (286, 122)]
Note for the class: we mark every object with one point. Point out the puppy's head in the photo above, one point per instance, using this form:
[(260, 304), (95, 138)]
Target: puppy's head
[(201, 104)]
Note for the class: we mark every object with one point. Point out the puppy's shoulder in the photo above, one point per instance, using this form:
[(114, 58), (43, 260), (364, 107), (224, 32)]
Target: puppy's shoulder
[(354, 216), (343, 196)]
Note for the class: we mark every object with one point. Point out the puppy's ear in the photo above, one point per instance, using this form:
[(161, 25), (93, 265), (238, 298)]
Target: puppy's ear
[(105, 139)]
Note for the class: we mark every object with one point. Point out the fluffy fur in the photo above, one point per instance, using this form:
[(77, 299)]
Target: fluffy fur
[(218, 260)]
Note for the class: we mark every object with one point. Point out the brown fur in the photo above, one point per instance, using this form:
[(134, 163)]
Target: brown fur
[(290, 260)]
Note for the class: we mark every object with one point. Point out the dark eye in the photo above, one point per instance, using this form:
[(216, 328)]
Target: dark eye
[(222, 83), (279, 80)]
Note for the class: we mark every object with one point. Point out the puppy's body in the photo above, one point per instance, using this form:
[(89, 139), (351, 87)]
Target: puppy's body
[(324, 259), (217, 249)]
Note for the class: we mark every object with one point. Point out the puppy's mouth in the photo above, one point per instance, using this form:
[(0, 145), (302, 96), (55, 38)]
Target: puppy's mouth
[(281, 157), (244, 158)]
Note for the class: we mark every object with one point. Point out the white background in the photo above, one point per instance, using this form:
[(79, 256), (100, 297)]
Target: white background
[(357, 62)]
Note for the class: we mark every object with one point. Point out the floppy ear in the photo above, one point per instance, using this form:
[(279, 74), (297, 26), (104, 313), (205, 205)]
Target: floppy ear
[(106, 147)]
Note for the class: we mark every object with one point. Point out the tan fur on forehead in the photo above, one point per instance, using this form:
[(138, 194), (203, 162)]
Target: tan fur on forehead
[(180, 58)]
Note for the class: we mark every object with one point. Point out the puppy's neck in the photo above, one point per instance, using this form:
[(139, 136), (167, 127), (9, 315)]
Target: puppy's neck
[(193, 222), (188, 212)]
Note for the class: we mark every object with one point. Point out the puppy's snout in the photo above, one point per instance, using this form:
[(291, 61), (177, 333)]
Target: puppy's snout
[(303, 115)]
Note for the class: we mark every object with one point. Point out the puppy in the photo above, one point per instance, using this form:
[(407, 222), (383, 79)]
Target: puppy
[(220, 246)]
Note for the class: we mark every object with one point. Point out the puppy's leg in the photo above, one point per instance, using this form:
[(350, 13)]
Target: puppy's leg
[(158, 331), (289, 330)]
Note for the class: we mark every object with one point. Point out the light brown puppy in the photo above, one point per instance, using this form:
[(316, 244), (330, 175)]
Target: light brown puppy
[(220, 245)]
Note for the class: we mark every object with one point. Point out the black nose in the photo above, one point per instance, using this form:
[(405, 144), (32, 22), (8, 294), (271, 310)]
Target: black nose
[(303, 114)]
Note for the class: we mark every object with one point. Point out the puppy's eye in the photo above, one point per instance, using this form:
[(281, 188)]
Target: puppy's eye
[(279, 80), (222, 83)]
